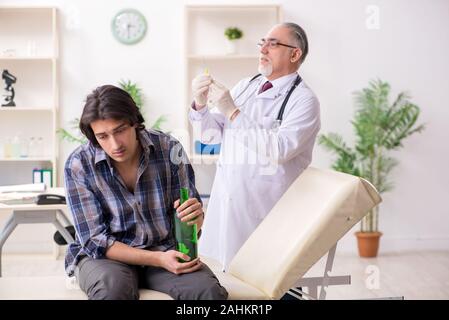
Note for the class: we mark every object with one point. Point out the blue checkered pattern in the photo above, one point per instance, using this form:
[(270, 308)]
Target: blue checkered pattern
[(105, 211)]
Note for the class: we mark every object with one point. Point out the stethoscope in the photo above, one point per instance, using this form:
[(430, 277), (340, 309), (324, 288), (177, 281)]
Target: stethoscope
[(278, 121)]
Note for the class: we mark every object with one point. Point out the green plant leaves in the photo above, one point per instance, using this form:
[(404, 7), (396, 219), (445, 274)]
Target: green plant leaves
[(346, 157), (70, 137), (233, 33), (158, 123), (379, 127), (133, 90)]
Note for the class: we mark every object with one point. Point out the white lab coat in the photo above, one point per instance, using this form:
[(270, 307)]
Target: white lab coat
[(256, 164)]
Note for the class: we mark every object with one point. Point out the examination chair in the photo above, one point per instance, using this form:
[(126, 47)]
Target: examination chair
[(318, 209)]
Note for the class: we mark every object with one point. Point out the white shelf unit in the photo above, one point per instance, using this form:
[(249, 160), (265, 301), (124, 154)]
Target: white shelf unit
[(27, 159), (205, 47), (29, 51)]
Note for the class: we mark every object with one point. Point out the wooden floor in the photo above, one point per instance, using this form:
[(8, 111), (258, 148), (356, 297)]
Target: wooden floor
[(413, 275)]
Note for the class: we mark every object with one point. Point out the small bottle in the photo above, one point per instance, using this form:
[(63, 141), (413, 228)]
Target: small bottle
[(15, 147), (40, 147), (186, 235), (7, 152), (23, 148), (32, 147), (2, 148)]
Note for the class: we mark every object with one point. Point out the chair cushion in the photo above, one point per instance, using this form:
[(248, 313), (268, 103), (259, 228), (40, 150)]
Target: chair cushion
[(237, 289)]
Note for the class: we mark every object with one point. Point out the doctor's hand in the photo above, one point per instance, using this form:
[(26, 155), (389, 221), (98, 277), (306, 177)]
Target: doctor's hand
[(200, 88), (191, 211), (220, 97)]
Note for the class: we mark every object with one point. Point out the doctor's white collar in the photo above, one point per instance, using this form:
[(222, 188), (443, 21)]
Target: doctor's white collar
[(280, 83)]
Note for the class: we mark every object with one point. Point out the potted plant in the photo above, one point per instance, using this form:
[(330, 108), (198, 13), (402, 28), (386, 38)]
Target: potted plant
[(136, 94), (233, 34), (380, 127)]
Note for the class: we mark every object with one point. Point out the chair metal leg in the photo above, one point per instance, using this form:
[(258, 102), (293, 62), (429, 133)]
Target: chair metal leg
[(6, 232), (65, 234), (327, 270), (30, 216), (64, 218), (313, 283)]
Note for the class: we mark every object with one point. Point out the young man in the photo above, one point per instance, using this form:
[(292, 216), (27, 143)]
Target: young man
[(122, 188)]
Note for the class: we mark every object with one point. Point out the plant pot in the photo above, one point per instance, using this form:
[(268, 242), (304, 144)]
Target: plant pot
[(368, 243), (231, 46)]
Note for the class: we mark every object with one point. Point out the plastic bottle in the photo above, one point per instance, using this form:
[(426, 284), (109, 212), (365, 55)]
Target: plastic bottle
[(15, 147), (40, 147), (186, 235), (32, 147), (23, 148), (7, 148), (2, 148)]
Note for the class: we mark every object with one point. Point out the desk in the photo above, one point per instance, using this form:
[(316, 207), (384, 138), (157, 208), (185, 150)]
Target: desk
[(32, 213)]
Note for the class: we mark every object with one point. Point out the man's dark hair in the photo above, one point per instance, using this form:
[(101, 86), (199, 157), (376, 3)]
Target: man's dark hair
[(109, 102)]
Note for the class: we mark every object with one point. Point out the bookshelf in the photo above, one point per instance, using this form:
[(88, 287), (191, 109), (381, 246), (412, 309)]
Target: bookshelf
[(29, 51)]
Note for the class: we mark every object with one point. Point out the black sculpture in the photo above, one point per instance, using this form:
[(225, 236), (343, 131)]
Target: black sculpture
[(9, 96)]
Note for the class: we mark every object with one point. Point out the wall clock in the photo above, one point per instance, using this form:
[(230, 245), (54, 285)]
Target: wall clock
[(129, 26)]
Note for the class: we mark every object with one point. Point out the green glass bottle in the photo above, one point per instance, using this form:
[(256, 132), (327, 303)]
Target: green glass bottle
[(186, 235)]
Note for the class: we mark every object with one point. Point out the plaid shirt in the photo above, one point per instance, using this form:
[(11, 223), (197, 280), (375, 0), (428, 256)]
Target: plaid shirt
[(105, 211)]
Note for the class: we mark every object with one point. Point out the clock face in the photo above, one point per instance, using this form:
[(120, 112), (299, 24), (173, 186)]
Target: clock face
[(129, 26)]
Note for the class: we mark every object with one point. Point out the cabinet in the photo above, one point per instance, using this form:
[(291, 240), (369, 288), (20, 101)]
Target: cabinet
[(29, 51), (206, 47)]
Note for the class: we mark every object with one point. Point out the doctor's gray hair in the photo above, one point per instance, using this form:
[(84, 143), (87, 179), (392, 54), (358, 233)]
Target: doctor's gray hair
[(299, 37)]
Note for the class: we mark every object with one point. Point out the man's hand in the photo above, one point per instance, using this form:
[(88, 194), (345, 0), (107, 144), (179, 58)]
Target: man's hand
[(191, 211), (220, 97), (169, 261), (200, 88)]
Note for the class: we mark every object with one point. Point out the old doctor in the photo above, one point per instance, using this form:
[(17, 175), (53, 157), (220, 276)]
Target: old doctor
[(267, 125)]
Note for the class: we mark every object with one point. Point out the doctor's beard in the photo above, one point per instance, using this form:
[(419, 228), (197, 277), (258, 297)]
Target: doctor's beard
[(266, 70)]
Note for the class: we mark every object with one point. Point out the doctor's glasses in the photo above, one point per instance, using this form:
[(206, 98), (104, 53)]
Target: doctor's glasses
[(273, 43)]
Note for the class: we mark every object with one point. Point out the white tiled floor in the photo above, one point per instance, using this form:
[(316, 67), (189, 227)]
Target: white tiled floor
[(414, 275)]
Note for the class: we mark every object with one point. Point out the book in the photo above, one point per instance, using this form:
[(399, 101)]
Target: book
[(47, 178)]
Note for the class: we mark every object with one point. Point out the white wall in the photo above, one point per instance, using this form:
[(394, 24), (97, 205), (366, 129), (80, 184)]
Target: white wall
[(409, 50)]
